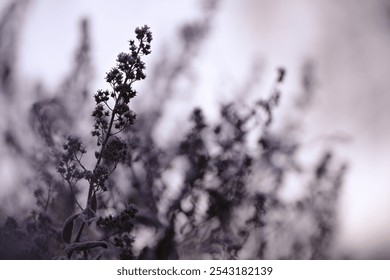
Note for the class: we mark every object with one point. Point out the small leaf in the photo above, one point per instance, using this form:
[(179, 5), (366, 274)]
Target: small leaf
[(81, 246), (88, 216), (93, 203), (67, 230)]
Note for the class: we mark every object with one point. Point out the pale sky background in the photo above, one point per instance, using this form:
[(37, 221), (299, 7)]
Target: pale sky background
[(348, 40)]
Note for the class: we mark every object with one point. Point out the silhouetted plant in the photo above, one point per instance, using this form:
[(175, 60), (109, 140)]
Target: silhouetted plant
[(110, 120), (227, 204)]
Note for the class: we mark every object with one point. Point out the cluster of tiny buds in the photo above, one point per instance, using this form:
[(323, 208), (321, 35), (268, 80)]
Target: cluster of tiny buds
[(124, 221), (68, 165), (129, 68)]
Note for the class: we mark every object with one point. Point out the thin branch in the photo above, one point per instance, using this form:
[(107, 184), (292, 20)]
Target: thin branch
[(48, 199), (105, 102), (79, 161), (73, 194), (123, 128)]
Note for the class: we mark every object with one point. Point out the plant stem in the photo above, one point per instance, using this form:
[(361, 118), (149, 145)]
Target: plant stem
[(108, 135)]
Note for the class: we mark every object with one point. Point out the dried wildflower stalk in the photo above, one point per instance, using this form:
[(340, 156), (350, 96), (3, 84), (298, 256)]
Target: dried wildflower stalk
[(111, 116)]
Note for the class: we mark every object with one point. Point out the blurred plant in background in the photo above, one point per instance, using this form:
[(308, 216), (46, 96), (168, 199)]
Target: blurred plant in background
[(227, 202)]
